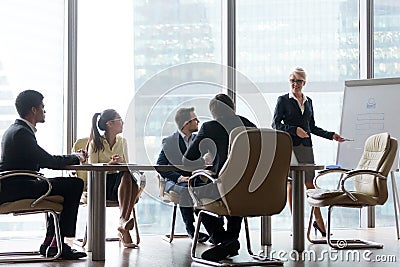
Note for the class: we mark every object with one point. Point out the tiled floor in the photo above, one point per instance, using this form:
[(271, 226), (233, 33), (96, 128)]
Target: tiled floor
[(154, 251)]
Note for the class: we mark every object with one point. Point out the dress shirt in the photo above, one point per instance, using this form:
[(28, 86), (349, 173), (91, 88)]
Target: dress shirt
[(301, 104), (34, 130)]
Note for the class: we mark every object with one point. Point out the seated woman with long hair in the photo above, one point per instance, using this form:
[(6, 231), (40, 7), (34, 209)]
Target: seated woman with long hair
[(120, 186)]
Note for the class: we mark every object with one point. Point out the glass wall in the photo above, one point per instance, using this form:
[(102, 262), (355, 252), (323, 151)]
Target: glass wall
[(273, 37), (386, 39), (32, 57), (167, 36), (139, 70), (386, 64)]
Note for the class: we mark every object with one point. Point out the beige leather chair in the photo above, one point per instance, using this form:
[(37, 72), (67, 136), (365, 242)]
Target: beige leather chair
[(369, 183), (44, 204), (172, 198), (83, 143), (251, 183)]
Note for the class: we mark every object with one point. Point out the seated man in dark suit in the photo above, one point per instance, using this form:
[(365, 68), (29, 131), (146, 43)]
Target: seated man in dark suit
[(20, 151), (174, 146), (213, 138)]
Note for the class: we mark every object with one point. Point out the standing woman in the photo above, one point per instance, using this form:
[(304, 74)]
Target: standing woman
[(294, 114), (120, 186)]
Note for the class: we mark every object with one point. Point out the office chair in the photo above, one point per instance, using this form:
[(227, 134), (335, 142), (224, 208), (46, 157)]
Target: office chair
[(370, 188), (173, 198), (251, 183), (52, 205)]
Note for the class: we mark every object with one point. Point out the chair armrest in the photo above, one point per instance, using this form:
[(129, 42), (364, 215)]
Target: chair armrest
[(17, 172), (353, 173), (206, 175), (7, 174), (358, 172), (329, 171), (202, 173)]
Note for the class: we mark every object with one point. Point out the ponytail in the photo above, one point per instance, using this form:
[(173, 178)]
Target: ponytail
[(95, 134)]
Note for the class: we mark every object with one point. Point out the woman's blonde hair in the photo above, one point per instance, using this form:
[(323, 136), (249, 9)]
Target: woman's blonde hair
[(299, 72)]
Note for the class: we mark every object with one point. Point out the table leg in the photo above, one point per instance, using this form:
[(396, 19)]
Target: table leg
[(90, 216), (97, 218), (298, 210)]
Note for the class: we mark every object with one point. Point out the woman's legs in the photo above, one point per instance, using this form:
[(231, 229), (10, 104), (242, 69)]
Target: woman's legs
[(127, 197), (317, 211), (305, 154)]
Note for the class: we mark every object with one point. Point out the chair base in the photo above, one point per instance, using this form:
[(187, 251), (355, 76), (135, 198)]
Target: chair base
[(34, 256), (83, 241), (267, 261), (339, 243), (259, 259), (353, 244), (169, 238)]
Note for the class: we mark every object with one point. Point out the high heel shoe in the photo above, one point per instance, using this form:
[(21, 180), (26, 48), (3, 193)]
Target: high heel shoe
[(125, 238), (128, 225), (316, 227)]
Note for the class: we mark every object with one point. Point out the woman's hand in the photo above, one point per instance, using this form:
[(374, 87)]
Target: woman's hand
[(337, 137), (301, 133), (115, 159), (82, 155)]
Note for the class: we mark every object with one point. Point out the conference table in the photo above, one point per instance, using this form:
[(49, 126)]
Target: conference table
[(97, 202), (298, 172)]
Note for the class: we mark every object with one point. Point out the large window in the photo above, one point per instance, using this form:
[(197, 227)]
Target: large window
[(32, 57), (132, 56), (273, 37), (127, 69), (386, 38)]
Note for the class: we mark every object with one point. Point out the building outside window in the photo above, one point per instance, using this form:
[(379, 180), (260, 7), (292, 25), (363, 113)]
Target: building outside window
[(32, 57)]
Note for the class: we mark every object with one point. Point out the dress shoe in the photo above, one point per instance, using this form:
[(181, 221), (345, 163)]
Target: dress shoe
[(212, 241), (67, 252), (43, 249), (202, 237), (221, 251)]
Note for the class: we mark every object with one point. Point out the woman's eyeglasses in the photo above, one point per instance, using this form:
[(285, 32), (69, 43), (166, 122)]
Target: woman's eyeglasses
[(293, 81), (119, 119)]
